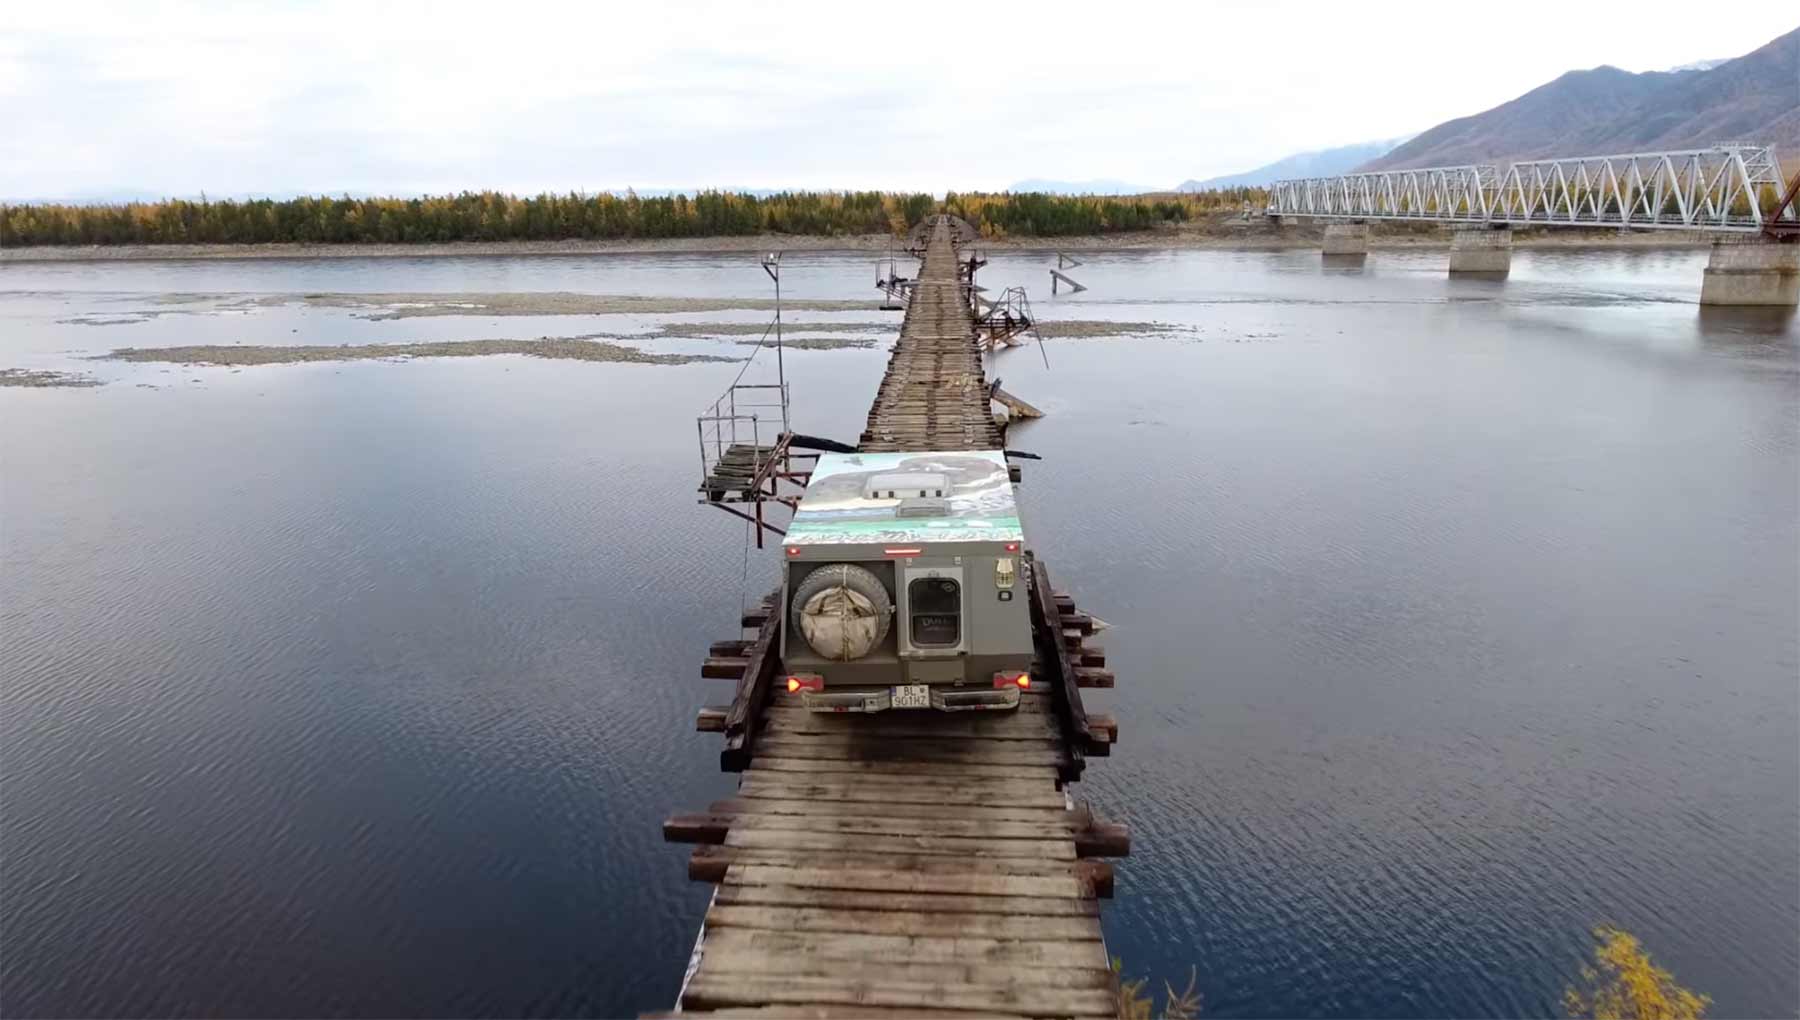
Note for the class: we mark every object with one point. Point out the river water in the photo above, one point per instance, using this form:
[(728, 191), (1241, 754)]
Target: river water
[(1451, 619)]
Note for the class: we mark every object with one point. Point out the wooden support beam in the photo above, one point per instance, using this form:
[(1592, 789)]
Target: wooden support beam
[(1104, 839), (1087, 676), (1017, 407), (696, 828), (752, 690), (1046, 623), (719, 667), (711, 719), (1057, 276)]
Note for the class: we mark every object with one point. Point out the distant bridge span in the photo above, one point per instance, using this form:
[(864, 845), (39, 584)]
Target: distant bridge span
[(1736, 193), (1726, 189)]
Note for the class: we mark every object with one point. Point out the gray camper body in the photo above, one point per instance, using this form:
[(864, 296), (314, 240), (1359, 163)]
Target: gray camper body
[(939, 534)]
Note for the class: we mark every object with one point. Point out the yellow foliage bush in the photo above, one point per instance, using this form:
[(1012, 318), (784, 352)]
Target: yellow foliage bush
[(1625, 984)]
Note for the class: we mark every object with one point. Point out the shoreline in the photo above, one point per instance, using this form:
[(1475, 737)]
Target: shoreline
[(1244, 237)]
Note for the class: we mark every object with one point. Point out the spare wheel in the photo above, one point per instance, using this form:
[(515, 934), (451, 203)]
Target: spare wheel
[(842, 610)]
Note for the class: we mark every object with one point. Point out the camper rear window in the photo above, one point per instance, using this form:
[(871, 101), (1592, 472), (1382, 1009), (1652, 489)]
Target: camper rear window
[(936, 606)]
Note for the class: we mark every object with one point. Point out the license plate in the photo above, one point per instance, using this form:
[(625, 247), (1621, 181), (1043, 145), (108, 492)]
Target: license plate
[(912, 696)]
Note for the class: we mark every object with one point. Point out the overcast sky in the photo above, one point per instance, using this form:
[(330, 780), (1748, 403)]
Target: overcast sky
[(232, 98)]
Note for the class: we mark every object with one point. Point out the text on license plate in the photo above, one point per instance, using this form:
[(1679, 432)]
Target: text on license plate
[(912, 696)]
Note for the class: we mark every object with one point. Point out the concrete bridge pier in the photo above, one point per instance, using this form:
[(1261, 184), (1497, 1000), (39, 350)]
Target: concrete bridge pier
[(1752, 271), (1347, 238), (1481, 250)]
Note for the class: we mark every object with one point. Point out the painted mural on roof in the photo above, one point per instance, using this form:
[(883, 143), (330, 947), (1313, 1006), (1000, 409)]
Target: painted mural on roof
[(961, 496)]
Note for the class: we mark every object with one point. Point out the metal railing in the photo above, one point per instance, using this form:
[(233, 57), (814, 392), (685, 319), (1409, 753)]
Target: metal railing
[(744, 415)]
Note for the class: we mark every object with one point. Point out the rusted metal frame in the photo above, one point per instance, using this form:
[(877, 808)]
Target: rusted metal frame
[(755, 519), (766, 468), (1053, 659), (745, 716)]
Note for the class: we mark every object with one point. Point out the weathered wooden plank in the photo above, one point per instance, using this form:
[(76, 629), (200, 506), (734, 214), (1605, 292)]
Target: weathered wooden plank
[(712, 863), (1060, 883), (712, 827), (1054, 657), (828, 774), (720, 667), (970, 750), (816, 766), (711, 719), (696, 827), (1027, 908), (964, 972), (850, 947), (799, 843), (1103, 839), (1050, 827), (756, 787), (704, 992), (827, 808), (1093, 677), (904, 922), (752, 690)]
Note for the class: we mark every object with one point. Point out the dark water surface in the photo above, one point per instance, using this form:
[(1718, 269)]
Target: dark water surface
[(1451, 619)]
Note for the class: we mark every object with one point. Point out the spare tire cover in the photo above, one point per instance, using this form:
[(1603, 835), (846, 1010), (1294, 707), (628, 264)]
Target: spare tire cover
[(842, 610)]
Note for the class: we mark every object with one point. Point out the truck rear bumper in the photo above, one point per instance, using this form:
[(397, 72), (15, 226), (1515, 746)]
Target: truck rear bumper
[(881, 699)]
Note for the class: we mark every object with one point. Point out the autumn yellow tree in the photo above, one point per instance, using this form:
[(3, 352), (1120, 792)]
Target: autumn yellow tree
[(1625, 984), (1136, 1004)]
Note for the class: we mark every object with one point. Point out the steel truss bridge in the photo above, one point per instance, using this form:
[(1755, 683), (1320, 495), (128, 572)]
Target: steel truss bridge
[(1734, 188)]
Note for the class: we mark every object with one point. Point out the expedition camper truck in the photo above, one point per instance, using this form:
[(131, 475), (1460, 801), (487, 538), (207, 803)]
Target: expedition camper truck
[(904, 585)]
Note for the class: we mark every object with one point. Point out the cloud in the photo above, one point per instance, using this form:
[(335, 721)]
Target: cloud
[(404, 97)]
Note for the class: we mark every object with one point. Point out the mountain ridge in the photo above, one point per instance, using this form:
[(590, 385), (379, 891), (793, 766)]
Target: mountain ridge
[(1605, 110), (1315, 163)]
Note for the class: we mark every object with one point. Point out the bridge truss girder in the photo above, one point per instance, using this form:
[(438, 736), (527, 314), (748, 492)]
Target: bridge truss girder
[(1728, 188)]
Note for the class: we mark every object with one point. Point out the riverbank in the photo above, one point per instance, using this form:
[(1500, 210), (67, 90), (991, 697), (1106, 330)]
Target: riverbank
[(1219, 233)]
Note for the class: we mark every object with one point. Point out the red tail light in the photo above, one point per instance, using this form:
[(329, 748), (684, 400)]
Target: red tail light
[(1019, 680), (805, 682)]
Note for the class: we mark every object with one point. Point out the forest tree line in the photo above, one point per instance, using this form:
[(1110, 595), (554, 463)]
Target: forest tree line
[(493, 216)]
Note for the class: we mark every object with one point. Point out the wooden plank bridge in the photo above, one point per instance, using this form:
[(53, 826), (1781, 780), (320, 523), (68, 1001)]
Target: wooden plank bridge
[(905, 863)]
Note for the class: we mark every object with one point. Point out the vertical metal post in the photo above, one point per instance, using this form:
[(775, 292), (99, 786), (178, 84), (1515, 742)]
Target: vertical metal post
[(780, 369)]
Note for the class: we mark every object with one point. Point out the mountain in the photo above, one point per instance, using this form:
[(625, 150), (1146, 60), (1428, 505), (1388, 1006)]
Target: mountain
[(1604, 111), (1699, 65), (1094, 187), (1322, 163)]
